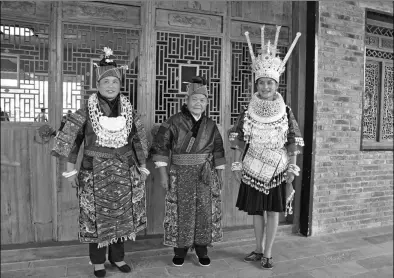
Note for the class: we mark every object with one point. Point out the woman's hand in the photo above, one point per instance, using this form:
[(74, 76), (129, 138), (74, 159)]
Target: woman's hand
[(164, 180), (289, 177), (236, 168), (143, 176), (73, 180)]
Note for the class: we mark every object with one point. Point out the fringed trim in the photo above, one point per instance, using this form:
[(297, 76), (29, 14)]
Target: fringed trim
[(115, 239), (261, 186), (293, 153), (299, 141)]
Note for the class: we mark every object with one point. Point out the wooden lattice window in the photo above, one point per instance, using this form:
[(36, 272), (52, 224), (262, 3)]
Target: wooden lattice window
[(378, 92), (83, 45), (24, 69), (180, 56)]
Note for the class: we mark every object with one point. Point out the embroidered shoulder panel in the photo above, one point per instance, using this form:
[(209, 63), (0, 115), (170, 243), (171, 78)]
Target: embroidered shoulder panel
[(65, 138)]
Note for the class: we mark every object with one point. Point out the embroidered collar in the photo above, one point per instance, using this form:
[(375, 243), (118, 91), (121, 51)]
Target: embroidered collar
[(113, 105)]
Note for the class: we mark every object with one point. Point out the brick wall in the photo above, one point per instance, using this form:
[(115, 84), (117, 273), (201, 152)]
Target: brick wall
[(353, 189)]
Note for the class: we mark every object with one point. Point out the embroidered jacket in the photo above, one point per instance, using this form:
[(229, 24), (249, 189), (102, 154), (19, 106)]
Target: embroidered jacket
[(78, 128), (175, 136)]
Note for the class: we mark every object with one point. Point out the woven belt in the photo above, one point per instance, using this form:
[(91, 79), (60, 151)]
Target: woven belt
[(190, 159), (107, 155)]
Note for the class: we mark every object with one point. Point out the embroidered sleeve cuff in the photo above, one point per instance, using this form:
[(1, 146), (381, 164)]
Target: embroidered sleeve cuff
[(220, 161), (72, 158), (237, 144), (299, 141), (293, 149), (221, 167), (160, 158), (160, 164)]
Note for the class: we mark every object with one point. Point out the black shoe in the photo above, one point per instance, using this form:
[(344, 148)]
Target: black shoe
[(204, 261), (266, 263), (178, 260), (124, 268), (253, 257), (100, 273)]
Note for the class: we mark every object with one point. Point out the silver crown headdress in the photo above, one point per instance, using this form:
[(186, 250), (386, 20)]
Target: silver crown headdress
[(108, 67), (266, 64)]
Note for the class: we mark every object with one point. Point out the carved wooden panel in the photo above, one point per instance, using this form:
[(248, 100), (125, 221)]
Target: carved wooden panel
[(371, 100), (30, 9), (208, 6), (83, 45), (238, 29), (174, 50), (24, 69), (242, 79), (378, 94), (274, 12), (188, 21), (99, 13), (388, 106)]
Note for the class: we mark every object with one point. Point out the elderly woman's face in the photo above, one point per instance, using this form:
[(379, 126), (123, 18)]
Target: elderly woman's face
[(197, 104), (266, 88), (109, 87)]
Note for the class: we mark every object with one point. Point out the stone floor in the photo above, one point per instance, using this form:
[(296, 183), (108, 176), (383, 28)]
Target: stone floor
[(363, 253)]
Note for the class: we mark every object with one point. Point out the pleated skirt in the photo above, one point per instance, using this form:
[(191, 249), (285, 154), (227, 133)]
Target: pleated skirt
[(255, 202)]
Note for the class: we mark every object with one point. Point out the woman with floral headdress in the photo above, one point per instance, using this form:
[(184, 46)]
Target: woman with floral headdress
[(111, 179), (266, 139)]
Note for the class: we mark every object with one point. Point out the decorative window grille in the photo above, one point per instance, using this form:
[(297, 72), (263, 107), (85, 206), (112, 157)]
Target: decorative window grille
[(83, 45), (24, 69), (378, 94), (242, 79), (180, 56)]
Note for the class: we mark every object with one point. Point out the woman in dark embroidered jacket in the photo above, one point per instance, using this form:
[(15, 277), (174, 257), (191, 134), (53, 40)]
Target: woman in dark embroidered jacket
[(111, 179), (266, 139), (193, 205)]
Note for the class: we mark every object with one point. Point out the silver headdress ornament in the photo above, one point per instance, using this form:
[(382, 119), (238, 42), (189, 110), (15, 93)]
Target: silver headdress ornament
[(108, 67), (266, 64)]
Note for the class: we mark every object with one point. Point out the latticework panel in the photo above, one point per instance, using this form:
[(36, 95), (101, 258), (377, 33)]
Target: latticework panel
[(372, 79), (175, 51), (379, 30), (24, 69), (379, 54), (83, 46), (388, 107), (242, 82)]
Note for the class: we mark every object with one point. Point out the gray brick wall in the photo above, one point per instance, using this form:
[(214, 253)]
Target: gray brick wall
[(353, 189)]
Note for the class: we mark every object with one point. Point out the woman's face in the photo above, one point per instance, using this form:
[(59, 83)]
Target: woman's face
[(197, 104), (109, 87), (266, 88)]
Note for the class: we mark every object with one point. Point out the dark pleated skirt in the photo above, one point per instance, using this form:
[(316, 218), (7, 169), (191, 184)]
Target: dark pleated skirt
[(255, 202)]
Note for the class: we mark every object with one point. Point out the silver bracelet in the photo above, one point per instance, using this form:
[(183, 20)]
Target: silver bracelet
[(69, 174), (236, 166), (144, 170)]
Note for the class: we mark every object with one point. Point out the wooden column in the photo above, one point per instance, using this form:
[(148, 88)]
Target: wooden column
[(154, 192), (298, 77)]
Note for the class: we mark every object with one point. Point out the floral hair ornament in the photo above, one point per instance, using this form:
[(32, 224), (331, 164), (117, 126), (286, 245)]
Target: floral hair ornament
[(107, 67), (267, 64)]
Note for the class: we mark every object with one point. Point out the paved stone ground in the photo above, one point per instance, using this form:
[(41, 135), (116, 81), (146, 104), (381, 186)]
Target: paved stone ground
[(359, 254)]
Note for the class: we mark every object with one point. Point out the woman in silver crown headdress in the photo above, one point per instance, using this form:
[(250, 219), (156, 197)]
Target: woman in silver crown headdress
[(266, 139), (111, 179)]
